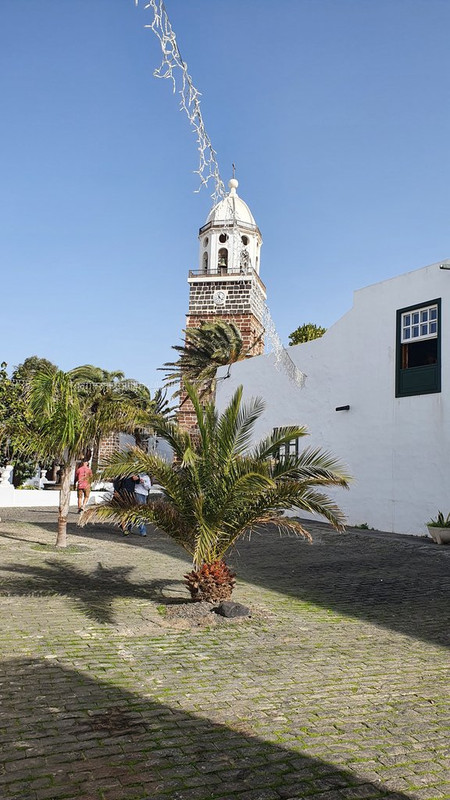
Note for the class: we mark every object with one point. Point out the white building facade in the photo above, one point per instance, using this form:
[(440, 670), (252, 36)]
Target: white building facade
[(376, 395)]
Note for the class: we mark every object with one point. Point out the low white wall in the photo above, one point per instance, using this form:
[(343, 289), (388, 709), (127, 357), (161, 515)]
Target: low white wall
[(39, 498)]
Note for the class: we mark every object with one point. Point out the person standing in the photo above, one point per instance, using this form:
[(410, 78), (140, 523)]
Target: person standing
[(83, 480), (141, 491), (124, 490)]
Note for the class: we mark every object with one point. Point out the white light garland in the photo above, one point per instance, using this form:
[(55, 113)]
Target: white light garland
[(282, 357), (174, 68)]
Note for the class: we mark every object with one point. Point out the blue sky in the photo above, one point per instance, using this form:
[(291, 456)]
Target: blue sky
[(336, 113)]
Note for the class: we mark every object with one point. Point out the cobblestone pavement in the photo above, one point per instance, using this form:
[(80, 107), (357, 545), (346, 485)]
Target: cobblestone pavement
[(335, 689)]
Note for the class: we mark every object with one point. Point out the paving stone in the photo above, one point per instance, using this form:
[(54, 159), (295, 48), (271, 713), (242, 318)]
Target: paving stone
[(336, 688)]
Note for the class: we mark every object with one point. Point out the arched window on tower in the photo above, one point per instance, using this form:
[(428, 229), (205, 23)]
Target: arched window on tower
[(222, 261), (205, 262)]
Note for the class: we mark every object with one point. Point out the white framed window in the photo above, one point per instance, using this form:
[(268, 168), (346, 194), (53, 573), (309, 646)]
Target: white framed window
[(418, 351), (419, 324)]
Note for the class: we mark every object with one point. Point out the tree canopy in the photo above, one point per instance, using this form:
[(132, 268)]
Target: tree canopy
[(15, 414), (305, 333)]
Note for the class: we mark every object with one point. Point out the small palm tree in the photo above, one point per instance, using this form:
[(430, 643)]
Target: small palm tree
[(222, 489), (212, 345)]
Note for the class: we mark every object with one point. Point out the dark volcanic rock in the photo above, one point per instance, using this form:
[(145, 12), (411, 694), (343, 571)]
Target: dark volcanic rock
[(230, 609)]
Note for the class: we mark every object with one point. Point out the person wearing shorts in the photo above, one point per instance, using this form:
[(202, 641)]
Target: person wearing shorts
[(83, 480)]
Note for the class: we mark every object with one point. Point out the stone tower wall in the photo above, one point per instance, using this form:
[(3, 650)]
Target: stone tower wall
[(107, 447), (252, 332), (242, 297)]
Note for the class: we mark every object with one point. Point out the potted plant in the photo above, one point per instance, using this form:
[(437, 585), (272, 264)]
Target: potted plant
[(439, 528)]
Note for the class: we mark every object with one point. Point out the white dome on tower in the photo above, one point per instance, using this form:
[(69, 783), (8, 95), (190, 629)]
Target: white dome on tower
[(230, 239), (231, 207)]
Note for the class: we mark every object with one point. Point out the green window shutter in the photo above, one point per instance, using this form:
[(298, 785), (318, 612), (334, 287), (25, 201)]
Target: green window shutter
[(413, 377)]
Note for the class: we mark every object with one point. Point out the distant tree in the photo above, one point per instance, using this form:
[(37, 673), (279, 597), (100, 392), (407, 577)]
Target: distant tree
[(24, 372), (305, 333), (11, 406), (15, 414)]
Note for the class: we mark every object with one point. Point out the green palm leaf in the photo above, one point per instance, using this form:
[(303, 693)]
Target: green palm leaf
[(218, 489), (211, 345)]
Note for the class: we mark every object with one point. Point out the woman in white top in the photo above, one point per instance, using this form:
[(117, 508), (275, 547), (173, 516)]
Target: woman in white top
[(141, 490)]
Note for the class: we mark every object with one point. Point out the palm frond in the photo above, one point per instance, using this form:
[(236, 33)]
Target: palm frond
[(216, 491), (315, 465), (212, 344), (270, 446)]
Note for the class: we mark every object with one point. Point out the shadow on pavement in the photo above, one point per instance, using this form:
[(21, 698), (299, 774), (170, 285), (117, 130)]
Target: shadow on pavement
[(398, 582), (67, 735), (92, 593)]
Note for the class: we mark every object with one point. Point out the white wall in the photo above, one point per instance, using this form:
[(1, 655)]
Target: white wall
[(33, 498), (397, 449), (156, 445)]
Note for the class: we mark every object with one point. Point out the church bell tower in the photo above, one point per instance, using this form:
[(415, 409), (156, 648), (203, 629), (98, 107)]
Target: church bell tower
[(226, 284)]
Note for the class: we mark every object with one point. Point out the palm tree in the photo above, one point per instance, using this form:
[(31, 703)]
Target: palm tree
[(206, 348), (64, 422), (151, 408), (100, 388), (109, 394), (222, 489), (57, 429)]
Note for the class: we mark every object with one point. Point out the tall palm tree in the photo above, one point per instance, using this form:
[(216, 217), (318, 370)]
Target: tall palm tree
[(57, 429), (212, 345), (63, 423), (222, 488)]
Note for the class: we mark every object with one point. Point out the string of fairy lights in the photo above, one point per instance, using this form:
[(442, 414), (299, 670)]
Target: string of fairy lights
[(174, 68)]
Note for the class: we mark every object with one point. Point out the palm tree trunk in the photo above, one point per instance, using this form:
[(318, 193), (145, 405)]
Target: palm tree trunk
[(95, 454), (64, 502)]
